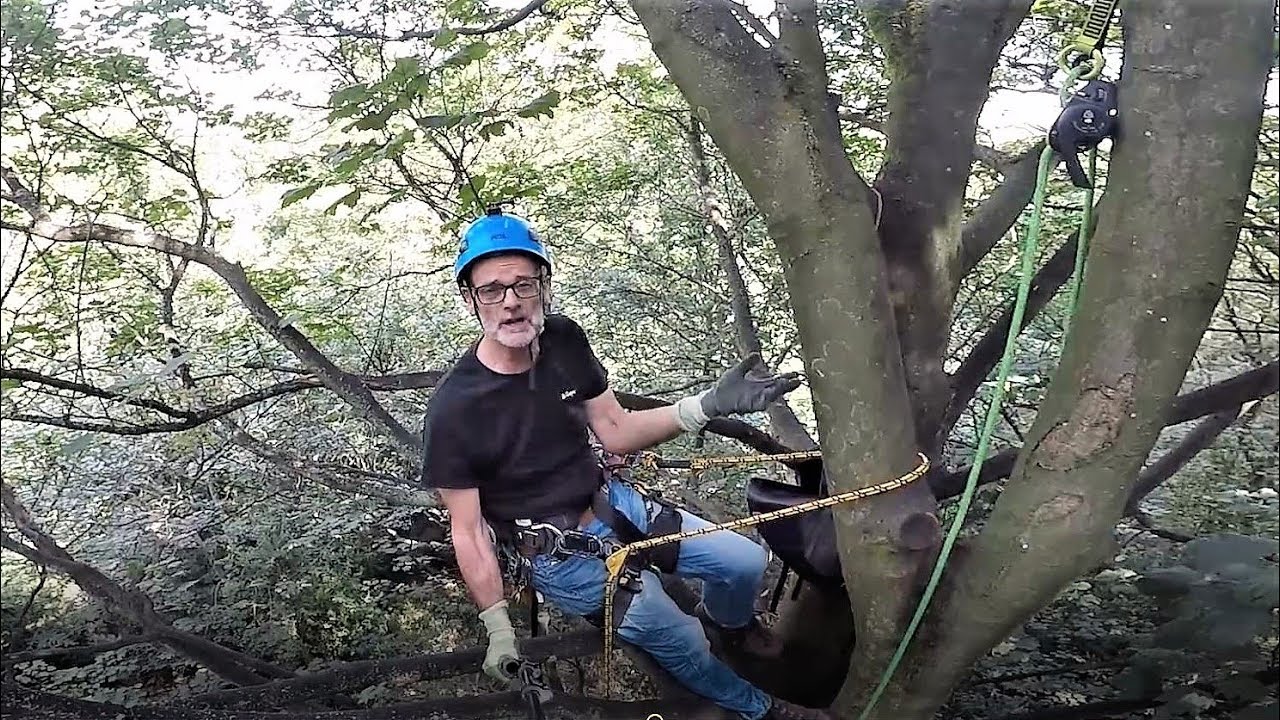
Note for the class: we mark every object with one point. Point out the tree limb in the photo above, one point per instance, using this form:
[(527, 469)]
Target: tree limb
[(191, 418), (21, 195), (347, 677), (1238, 390), (1232, 392), (1157, 473), (986, 353), (344, 384), (22, 703), (993, 218), (941, 57), (504, 24)]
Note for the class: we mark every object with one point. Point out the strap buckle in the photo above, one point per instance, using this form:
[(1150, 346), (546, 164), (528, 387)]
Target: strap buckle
[(545, 538)]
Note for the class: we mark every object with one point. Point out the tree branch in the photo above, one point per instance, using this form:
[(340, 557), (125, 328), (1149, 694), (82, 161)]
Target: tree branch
[(22, 703), (993, 218), (1232, 392), (191, 418), (347, 677), (21, 195), (504, 24), (986, 353), (1158, 472), (1238, 390), (941, 56), (344, 384)]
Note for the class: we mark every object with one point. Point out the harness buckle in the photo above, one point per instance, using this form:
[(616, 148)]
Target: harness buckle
[(545, 538), (576, 542)]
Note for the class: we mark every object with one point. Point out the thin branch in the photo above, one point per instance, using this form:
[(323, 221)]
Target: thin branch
[(21, 195), (987, 351), (1252, 385), (344, 384), (993, 218), (504, 24)]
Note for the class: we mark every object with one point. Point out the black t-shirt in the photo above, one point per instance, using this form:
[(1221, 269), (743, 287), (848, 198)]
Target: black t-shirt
[(521, 440)]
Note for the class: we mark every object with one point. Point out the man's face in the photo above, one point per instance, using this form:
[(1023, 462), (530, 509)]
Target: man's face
[(512, 321)]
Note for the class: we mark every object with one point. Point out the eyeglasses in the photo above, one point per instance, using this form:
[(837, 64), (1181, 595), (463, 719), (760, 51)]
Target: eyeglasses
[(494, 293)]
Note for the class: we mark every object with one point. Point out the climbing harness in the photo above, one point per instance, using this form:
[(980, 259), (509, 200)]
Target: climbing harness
[(1088, 117), (617, 564)]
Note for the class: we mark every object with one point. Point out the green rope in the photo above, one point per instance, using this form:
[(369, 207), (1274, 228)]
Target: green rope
[(1082, 240), (1030, 248)]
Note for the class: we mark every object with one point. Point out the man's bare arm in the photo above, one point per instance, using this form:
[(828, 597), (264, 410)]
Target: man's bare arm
[(746, 387), (471, 544), (625, 432)]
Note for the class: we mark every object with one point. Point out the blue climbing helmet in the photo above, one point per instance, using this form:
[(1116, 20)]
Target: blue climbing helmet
[(498, 232)]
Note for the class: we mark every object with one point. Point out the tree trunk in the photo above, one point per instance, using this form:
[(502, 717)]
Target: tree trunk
[(939, 56), (1191, 105), (769, 113)]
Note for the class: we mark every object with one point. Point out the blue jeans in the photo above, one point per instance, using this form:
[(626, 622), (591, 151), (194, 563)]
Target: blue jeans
[(731, 568)]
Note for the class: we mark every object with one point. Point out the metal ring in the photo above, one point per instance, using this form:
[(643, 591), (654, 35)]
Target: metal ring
[(1094, 60)]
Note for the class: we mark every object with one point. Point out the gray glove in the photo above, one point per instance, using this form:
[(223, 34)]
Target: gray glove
[(744, 388)]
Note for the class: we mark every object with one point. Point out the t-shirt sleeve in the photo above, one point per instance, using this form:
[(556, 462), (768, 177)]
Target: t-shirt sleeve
[(444, 464), (590, 374)]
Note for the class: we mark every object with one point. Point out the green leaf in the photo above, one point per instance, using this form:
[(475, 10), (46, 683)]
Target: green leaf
[(543, 104), (349, 200), (467, 55), (494, 129), (444, 38), (460, 9), (10, 384), (406, 67), (343, 112), (350, 94), (298, 193), (377, 121), (433, 122)]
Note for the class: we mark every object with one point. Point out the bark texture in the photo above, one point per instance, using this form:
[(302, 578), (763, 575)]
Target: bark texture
[(1167, 230), (940, 56), (769, 112)]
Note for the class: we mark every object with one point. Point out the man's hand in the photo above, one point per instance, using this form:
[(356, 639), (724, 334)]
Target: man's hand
[(502, 641), (744, 388)]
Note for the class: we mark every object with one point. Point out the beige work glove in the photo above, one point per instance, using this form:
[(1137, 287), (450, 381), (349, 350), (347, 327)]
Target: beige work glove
[(502, 641)]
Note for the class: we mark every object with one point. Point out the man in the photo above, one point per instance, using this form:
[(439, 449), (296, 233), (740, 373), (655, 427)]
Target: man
[(506, 444)]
